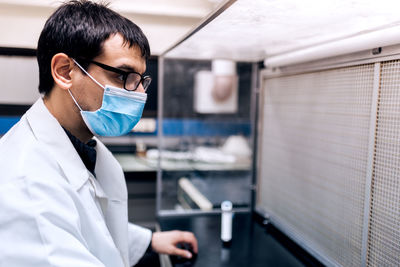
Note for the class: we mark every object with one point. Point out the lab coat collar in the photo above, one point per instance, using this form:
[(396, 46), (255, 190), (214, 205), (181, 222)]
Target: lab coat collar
[(49, 132)]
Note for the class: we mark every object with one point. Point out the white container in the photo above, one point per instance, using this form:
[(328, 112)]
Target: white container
[(226, 221)]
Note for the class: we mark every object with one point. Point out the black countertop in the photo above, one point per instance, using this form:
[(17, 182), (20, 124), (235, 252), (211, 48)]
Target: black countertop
[(252, 244)]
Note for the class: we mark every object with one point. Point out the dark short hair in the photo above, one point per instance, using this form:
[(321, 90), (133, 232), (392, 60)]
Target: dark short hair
[(79, 28)]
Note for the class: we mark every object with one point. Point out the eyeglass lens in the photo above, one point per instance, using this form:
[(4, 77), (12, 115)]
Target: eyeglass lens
[(133, 80)]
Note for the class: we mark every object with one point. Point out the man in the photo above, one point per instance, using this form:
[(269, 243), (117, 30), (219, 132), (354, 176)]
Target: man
[(63, 197)]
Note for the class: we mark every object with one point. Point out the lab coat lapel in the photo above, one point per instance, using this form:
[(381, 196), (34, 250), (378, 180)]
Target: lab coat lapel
[(111, 178), (49, 132)]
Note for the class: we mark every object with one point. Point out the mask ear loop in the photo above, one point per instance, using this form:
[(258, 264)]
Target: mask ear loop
[(90, 76), (73, 98)]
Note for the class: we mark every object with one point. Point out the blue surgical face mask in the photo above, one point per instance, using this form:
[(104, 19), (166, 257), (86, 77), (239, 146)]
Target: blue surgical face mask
[(120, 111)]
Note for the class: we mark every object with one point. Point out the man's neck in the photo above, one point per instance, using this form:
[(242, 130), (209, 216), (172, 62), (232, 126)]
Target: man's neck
[(68, 117)]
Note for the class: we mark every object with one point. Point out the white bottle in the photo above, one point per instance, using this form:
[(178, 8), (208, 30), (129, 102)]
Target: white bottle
[(226, 222)]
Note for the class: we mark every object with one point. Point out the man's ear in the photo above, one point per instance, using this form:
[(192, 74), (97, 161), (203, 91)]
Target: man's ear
[(61, 66)]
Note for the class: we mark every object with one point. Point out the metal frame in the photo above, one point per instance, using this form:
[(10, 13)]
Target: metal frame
[(364, 57), (360, 58), (221, 8), (255, 90), (172, 213), (371, 148), (160, 134)]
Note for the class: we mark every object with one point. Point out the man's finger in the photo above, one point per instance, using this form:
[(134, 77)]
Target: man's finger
[(183, 253), (189, 237)]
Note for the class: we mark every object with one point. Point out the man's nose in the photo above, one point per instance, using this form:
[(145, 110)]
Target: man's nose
[(140, 88)]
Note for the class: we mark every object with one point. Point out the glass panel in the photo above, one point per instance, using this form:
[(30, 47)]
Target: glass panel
[(206, 155)]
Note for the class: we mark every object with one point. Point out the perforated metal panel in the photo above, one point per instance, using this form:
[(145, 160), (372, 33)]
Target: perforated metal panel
[(314, 154), (384, 230)]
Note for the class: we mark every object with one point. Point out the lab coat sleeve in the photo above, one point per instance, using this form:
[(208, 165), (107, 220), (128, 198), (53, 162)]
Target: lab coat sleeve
[(40, 226), (139, 240)]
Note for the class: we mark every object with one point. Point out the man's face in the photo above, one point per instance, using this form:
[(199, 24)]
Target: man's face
[(115, 54)]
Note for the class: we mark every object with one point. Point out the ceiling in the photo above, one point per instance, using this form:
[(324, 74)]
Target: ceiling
[(249, 30), (252, 30)]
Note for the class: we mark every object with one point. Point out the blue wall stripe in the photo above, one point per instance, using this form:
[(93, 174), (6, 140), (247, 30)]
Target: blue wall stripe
[(7, 122), (175, 127)]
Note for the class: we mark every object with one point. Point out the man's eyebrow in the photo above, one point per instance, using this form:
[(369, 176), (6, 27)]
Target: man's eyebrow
[(128, 68)]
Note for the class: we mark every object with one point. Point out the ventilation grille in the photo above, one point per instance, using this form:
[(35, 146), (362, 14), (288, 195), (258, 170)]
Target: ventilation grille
[(313, 163), (384, 230)]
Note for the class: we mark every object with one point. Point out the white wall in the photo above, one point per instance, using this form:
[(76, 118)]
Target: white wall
[(164, 22), (19, 79)]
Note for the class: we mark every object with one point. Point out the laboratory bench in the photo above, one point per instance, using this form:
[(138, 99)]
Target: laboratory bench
[(133, 163), (253, 243)]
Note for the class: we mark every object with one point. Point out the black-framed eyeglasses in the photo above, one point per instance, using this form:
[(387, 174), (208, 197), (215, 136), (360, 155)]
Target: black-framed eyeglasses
[(131, 79)]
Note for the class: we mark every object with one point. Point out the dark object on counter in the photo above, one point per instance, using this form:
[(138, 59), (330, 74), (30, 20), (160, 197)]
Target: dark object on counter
[(179, 261)]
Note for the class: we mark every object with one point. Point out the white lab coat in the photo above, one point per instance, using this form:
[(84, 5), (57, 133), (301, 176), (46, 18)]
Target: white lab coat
[(53, 212)]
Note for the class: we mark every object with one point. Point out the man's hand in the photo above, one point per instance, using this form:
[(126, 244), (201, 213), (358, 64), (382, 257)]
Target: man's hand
[(166, 243)]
